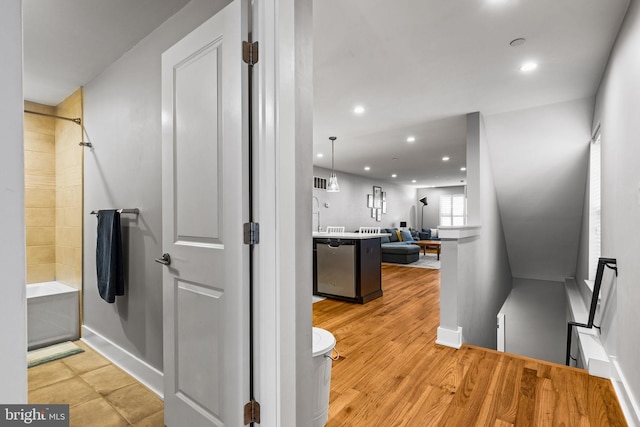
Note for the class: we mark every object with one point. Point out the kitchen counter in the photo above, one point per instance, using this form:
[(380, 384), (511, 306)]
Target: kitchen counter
[(354, 236), (347, 266)]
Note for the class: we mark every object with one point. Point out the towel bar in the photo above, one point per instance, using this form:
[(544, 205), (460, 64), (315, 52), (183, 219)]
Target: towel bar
[(135, 211)]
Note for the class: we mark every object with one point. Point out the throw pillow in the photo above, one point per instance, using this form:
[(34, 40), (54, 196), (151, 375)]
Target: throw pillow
[(384, 239), (406, 236), (394, 235), (434, 233), (399, 234)]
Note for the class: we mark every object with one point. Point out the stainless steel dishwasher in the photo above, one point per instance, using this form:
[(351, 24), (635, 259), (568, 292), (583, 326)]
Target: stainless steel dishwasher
[(336, 267)]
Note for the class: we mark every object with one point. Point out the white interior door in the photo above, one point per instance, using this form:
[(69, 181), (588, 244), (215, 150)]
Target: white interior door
[(205, 287)]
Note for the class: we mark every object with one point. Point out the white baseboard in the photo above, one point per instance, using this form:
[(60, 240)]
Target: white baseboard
[(449, 337), (626, 398), (133, 365)]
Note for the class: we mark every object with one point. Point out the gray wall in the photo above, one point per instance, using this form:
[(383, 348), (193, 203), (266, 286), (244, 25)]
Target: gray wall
[(349, 206), (539, 159), (432, 210), (122, 112), (535, 320), (617, 106), (13, 358)]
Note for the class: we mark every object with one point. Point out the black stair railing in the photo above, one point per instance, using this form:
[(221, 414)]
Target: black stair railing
[(602, 263)]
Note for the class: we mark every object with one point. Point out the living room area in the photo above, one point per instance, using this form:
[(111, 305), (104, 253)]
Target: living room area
[(524, 138), (409, 216)]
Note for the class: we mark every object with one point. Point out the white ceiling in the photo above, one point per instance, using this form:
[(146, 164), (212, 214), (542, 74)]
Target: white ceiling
[(417, 66), (67, 43)]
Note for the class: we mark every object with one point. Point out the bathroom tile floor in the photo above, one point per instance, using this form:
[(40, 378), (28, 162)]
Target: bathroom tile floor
[(99, 393)]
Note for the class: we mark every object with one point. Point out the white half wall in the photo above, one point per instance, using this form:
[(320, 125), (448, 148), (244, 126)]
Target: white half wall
[(486, 290), (616, 112), (475, 273), (539, 159), (122, 113), (349, 206), (13, 305)]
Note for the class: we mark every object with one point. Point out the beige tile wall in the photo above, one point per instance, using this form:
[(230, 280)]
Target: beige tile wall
[(40, 193), (68, 195), (53, 193)]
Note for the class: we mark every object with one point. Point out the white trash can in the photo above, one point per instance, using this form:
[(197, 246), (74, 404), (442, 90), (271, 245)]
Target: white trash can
[(322, 348)]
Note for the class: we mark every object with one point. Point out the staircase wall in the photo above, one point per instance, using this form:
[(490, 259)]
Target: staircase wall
[(540, 159)]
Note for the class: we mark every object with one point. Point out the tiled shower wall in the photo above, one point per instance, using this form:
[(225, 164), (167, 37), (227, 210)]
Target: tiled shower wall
[(40, 193), (69, 169), (53, 193)]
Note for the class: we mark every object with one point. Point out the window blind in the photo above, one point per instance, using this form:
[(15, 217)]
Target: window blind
[(452, 209), (594, 207)]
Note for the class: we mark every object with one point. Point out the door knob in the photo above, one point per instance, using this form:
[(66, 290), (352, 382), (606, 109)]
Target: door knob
[(165, 259)]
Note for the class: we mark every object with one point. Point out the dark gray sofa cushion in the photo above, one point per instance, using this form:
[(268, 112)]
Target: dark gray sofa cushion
[(425, 234), (401, 249), (400, 252), (406, 236)]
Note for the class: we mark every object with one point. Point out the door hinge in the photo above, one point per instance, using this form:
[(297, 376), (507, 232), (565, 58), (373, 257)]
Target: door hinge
[(252, 412), (250, 52), (251, 233)]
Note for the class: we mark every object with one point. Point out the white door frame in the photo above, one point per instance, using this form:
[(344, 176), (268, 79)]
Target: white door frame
[(283, 133), (13, 305)]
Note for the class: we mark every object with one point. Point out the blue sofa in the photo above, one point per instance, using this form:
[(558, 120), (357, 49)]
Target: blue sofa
[(399, 251), (427, 234)]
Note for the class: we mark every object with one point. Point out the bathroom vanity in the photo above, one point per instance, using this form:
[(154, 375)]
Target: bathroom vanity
[(347, 266)]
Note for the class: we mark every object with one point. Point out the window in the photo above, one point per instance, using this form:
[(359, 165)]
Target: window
[(452, 209), (594, 206)]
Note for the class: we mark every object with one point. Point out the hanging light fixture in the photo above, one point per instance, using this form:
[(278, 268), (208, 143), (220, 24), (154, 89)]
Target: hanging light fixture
[(333, 186)]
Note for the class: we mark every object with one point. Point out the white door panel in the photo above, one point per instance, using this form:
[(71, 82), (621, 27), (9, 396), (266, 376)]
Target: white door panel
[(204, 177)]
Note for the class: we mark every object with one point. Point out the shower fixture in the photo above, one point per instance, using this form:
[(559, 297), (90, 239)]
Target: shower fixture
[(77, 121)]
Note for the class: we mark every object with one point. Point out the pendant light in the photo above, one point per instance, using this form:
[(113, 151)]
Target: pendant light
[(333, 186)]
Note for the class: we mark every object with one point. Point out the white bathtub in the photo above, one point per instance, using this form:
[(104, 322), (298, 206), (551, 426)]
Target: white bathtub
[(52, 314)]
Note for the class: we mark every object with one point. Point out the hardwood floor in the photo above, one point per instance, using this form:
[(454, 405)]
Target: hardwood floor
[(391, 373)]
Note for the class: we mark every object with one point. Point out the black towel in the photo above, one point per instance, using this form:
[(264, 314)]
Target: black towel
[(109, 256)]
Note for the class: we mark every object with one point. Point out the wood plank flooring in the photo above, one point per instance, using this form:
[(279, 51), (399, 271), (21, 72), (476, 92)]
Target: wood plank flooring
[(391, 373)]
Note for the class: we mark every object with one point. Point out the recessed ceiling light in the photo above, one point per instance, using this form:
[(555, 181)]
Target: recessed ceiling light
[(358, 109), (445, 159), (413, 180), (463, 169), (517, 42), (394, 175), (528, 66), (319, 155), (367, 168), (411, 139)]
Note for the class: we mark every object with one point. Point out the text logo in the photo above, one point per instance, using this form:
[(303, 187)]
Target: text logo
[(34, 415)]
